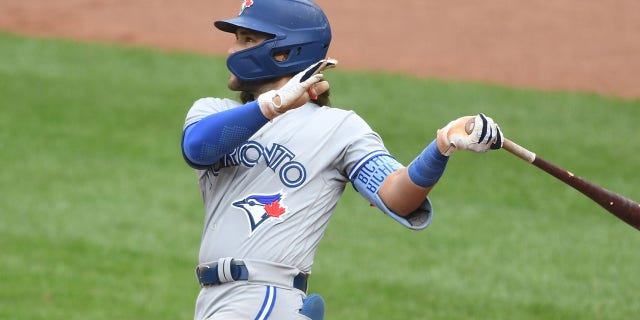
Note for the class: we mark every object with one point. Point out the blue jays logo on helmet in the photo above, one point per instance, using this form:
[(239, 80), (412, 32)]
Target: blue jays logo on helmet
[(298, 28), (245, 4), (262, 207)]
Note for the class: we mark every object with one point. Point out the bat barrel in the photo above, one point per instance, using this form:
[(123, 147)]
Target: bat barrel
[(624, 208)]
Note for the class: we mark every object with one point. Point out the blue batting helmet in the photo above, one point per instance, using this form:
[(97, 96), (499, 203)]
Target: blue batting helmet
[(299, 28)]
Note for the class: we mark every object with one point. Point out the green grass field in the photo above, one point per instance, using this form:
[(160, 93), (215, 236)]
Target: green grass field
[(101, 219)]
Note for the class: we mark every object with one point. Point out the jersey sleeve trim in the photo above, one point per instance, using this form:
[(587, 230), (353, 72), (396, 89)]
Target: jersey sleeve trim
[(364, 160)]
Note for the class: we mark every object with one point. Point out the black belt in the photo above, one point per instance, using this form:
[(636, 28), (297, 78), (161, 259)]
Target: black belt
[(208, 275)]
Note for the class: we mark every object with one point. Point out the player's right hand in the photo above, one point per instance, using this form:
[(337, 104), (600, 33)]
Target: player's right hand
[(474, 133), (299, 90)]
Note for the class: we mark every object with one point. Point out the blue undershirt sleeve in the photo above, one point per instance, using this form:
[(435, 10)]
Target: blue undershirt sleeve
[(206, 141)]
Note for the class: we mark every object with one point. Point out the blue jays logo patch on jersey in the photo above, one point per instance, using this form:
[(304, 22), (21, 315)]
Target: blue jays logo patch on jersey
[(262, 207), (245, 4)]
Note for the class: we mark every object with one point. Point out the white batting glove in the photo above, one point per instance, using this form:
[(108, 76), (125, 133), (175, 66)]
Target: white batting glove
[(303, 86), (474, 133)]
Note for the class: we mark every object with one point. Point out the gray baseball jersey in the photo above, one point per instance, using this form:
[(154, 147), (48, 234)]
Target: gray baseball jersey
[(273, 196)]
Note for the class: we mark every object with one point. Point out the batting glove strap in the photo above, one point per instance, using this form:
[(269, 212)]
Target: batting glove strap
[(268, 107)]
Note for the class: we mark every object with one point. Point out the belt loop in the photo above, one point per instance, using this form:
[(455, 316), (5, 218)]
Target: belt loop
[(224, 270), (300, 282)]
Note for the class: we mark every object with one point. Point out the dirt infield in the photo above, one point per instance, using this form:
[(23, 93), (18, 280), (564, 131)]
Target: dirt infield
[(560, 45)]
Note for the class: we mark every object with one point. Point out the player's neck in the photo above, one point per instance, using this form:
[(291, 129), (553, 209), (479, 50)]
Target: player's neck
[(273, 85)]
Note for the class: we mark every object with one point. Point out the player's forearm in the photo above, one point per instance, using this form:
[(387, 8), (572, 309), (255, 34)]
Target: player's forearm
[(400, 194), (404, 190), (207, 140)]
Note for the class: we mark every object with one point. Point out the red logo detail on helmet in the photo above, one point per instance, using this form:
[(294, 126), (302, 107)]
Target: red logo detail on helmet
[(245, 4)]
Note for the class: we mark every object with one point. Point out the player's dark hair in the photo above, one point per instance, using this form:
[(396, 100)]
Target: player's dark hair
[(323, 99)]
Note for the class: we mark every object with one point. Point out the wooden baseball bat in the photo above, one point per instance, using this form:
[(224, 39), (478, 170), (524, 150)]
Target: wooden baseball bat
[(624, 208)]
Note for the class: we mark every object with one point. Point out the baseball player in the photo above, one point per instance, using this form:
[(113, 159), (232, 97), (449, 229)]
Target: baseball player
[(272, 166)]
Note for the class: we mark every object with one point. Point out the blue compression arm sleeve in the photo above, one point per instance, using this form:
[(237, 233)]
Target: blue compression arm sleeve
[(206, 141), (428, 167)]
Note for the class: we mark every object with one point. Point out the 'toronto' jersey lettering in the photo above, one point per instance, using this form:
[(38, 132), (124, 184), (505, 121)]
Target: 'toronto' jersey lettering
[(278, 158)]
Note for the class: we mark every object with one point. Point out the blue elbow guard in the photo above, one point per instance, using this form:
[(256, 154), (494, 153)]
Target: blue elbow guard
[(367, 177)]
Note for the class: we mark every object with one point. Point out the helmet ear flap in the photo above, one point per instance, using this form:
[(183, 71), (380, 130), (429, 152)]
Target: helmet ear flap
[(251, 64)]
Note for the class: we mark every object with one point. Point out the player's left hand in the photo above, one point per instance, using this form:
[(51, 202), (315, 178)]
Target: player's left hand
[(474, 133), (306, 85)]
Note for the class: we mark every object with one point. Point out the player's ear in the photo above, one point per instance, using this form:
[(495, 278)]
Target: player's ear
[(281, 56)]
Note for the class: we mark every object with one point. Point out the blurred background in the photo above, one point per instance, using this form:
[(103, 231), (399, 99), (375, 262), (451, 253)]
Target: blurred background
[(100, 218), (564, 44)]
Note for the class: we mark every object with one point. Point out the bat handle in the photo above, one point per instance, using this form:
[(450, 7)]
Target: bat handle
[(519, 151), (508, 145)]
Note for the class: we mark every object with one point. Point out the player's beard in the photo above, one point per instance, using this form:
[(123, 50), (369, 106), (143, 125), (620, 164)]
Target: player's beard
[(256, 87), (250, 89)]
